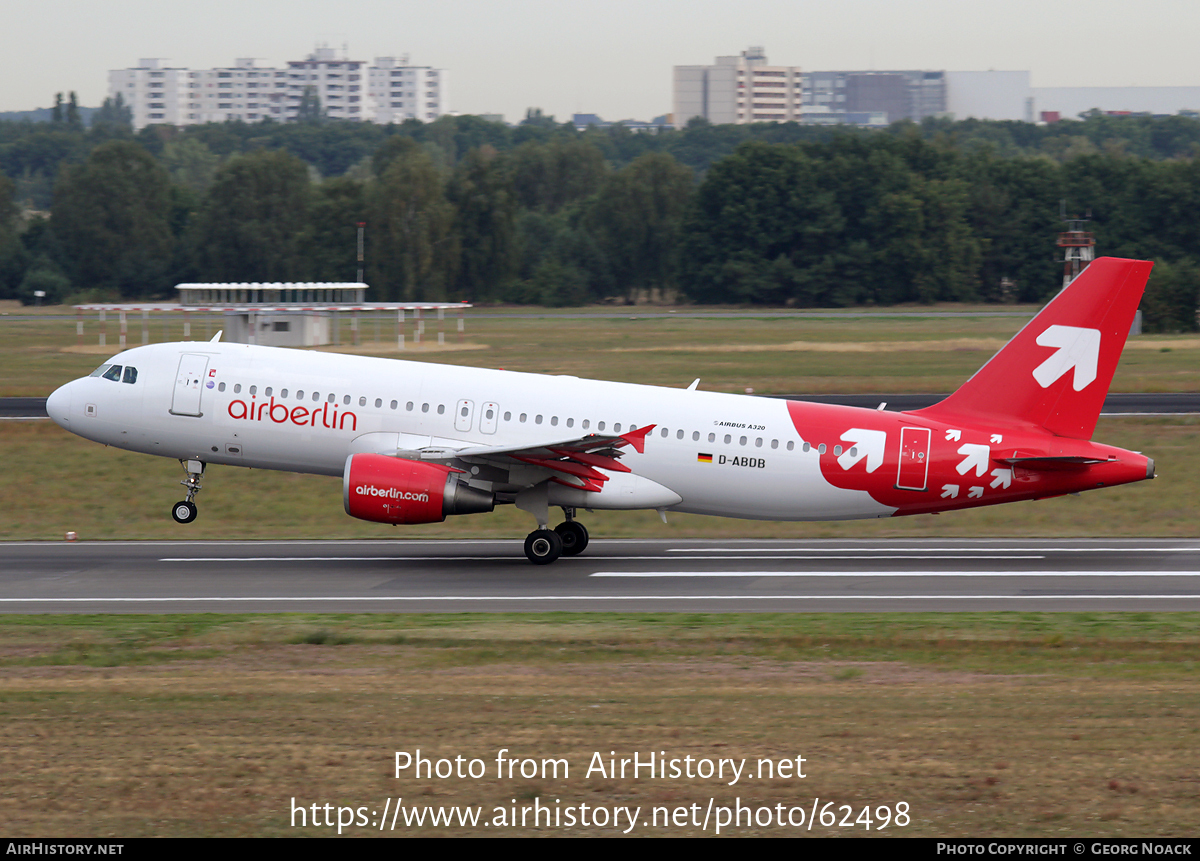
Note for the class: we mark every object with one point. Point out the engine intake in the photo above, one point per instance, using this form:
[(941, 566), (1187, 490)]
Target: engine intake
[(394, 490)]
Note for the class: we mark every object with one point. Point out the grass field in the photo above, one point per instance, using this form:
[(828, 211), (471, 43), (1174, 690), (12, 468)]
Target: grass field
[(983, 724)]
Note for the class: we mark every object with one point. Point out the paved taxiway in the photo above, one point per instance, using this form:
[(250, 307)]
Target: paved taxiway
[(629, 576)]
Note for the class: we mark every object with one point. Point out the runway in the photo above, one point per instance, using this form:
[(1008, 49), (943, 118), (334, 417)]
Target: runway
[(613, 575)]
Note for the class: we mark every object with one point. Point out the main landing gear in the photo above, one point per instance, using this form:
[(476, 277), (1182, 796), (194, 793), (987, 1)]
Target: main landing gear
[(185, 510), (569, 538)]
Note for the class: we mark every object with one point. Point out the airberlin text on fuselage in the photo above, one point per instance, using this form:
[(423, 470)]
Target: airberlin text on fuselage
[(302, 416)]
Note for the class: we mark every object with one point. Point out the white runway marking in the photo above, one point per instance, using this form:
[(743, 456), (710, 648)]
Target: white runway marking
[(648, 574), (934, 550), (824, 558)]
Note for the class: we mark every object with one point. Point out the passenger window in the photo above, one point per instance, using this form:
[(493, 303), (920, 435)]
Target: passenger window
[(774, 443), (508, 415), (362, 402), (408, 406), (695, 436), (378, 403), (332, 397), (679, 434), (316, 396), (617, 427), (267, 393), (665, 433), (599, 425), (728, 438), (570, 423), (792, 445), (424, 408), (396, 403), (220, 387), (299, 394), (537, 420), (587, 423), (130, 374), (712, 437), (283, 393), (441, 409), (553, 421), (113, 373), (237, 388), (254, 390)]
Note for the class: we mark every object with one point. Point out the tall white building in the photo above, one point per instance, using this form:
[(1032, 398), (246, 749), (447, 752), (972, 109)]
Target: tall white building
[(402, 92), (742, 89), (389, 91)]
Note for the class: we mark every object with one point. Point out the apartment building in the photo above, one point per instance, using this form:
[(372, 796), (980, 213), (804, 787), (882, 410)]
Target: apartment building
[(741, 89), (389, 91)]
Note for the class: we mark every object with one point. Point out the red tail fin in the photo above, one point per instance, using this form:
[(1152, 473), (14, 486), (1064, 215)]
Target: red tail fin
[(1056, 371)]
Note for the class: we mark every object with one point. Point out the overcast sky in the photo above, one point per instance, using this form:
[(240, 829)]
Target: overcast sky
[(612, 58)]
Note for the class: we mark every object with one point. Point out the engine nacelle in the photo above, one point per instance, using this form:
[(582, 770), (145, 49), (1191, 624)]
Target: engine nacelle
[(394, 490)]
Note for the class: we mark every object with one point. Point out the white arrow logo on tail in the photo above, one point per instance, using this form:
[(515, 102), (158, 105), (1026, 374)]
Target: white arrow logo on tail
[(997, 438), (975, 493), (950, 490), (1077, 348), (976, 458), (953, 435), (864, 443), (1003, 477)]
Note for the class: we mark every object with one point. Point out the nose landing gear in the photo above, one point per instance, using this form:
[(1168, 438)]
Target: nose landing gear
[(185, 510)]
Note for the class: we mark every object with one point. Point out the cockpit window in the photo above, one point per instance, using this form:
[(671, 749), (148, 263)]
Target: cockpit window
[(100, 370), (113, 373), (130, 374)]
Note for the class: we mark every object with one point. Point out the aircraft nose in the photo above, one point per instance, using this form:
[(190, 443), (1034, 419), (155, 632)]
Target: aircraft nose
[(58, 405)]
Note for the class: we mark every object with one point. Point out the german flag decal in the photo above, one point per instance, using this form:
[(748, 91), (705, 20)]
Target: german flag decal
[(704, 458)]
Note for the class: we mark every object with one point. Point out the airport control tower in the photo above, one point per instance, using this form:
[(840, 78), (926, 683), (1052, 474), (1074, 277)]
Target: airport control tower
[(1079, 248)]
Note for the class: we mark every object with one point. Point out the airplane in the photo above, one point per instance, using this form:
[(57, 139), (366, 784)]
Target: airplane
[(415, 442)]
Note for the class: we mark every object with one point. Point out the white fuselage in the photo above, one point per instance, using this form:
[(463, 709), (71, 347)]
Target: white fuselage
[(302, 411)]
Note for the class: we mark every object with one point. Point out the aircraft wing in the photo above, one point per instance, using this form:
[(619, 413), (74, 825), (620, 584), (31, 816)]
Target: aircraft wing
[(572, 462)]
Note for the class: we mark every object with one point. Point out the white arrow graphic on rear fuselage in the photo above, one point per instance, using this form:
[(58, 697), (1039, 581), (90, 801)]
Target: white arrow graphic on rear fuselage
[(1077, 348), (953, 435), (977, 457), (1003, 477), (975, 493), (950, 490), (864, 443)]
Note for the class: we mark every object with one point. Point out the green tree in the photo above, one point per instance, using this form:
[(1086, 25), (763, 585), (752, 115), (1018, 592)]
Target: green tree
[(250, 223), (12, 259), (114, 112), (74, 121), (330, 240), (111, 216), (551, 175), (1172, 299), (56, 115), (484, 224), (190, 163), (414, 251), (310, 110), (637, 219)]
